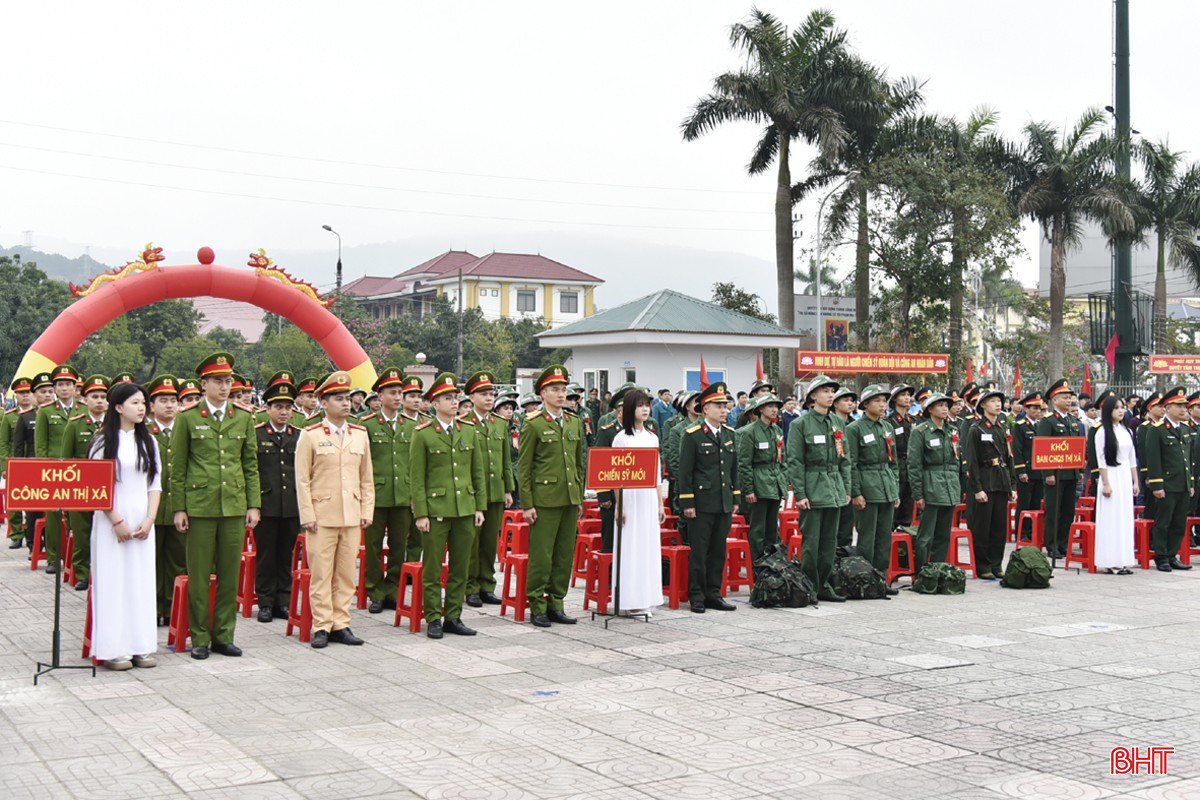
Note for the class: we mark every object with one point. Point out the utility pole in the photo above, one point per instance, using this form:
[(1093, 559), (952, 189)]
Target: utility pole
[(1123, 274), (459, 370)]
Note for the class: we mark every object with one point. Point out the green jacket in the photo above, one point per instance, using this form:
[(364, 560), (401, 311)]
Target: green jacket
[(585, 426), (1168, 458), (989, 462), (497, 451), (1139, 446), (446, 471), (708, 478), (276, 452), (604, 438), (214, 465), (818, 471), (1022, 449), (390, 452), (761, 467), (77, 439), (550, 465), (874, 472), (24, 433), (672, 437), (1054, 424), (166, 509), (902, 427), (51, 428), (933, 466), (8, 429)]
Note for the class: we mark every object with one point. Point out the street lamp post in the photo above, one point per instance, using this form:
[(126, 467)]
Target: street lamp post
[(817, 268), (338, 290)]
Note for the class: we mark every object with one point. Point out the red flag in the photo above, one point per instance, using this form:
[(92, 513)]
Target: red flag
[(970, 372), (1086, 388), (758, 370), (1017, 389), (983, 370), (703, 374), (1110, 352)]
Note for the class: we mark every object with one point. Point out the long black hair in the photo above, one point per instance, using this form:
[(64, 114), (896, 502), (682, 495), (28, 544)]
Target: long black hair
[(105, 440), (629, 407), (1110, 435)]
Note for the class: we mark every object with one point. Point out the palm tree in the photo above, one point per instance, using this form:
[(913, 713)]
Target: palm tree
[(830, 283), (1061, 181), (789, 85)]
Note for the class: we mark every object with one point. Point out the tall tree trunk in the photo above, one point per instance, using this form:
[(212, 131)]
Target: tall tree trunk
[(862, 275), (904, 329), (958, 268), (1058, 291), (785, 266), (1160, 305)]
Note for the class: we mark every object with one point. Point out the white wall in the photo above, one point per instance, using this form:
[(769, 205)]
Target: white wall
[(663, 367), (559, 317), (489, 305)]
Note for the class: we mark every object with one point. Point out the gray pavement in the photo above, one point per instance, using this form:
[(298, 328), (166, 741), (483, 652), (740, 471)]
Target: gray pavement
[(997, 693)]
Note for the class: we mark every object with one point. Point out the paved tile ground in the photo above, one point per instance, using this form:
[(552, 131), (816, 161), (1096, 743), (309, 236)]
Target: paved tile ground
[(997, 693)]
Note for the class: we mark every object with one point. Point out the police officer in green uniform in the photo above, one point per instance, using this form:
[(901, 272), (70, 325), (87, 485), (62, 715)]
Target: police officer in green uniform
[(762, 473), (496, 445), (902, 422), (216, 495), (989, 475), (24, 435), (1153, 412), (1060, 484), (933, 463), (1170, 480), (77, 442), (550, 472), (845, 403), (576, 406), (49, 431), (275, 535), (689, 406), (1029, 480), (308, 410), (506, 409), (22, 389), (874, 477), (820, 474), (170, 547), (189, 393), (449, 496), (709, 494), (1193, 406), (390, 433)]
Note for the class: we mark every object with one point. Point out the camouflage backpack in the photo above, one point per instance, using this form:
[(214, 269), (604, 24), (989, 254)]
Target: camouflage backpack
[(780, 583)]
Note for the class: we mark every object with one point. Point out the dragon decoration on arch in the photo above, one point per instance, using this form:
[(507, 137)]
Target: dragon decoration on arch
[(266, 267)]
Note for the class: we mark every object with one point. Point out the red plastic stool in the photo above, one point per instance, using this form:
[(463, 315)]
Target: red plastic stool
[(1084, 535), (360, 591), (1141, 541), (1086, 502), (87, 629), (414, 608), (587, 527), (669, 537), (300, 552), (1037, 529), (671, 520), (584, 547), (738, 519), (39, 544), (180, 628), (1012, 521), (957, 535), (1185, 548), (739, 531), (796, 546), (512, 592), (676, 589), (591, 511), (598, 586), (1085, 514), (514, 540), (959, 519), (788, 528), (300, 606), (894, 568), (248, 568), (513, 515), (68, 570), (739, 571)]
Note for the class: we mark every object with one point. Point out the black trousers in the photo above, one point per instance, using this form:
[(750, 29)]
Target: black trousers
[(1170, 523), (904, 512), (706, 563), (608, 523), (989, 531), (1060, 513), (1029, 498), (275, 537)]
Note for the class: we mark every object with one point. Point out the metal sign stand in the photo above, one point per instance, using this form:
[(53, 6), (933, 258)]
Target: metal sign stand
[(616, 577), (56, 640)]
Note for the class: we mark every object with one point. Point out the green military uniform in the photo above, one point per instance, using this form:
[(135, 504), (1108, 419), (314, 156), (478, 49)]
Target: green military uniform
[(214, 479), (1168, 456), (763, 473), (77, 442), (1193, 403), (874, 477), (1030, 490), (990, 471), (550, 472), (49, 431), (709, 484), (277, 530), (902, 425), (8, 430), (1060, 496), (446, 476), (845, 534), (170, 546), (1150, 502), (575, 391), (933, 464), (23, 435), (496, 445), (820, 473)]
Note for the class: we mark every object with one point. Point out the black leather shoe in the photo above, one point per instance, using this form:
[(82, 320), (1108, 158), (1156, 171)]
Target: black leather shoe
[(720, 605), (200, 652), (489, 598), (344, 636), (279, 612), (52, 569), (892, 591), (81, 586), (560, 618), (831, 597), (541, 621), (265, 615), (697, 606), (320, 639), (473, 601), (376, 607), (15, 544), (389, 602), (1163, 567), (231, 649), (457, 627), (435, 629), (1174, 562)]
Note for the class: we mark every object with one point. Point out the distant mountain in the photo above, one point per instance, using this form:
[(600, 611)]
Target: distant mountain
[(75, 270)]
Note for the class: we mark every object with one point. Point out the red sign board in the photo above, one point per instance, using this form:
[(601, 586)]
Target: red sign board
[(1175, 364), (59, 484), (622, 468), (810, 361), (1059, 452)]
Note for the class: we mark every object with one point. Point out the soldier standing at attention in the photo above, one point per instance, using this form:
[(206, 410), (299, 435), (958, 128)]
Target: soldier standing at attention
[(933, 463), (216, 495), (689, 404), (496, 445), (390, 434), (189, 394), (874, 478), (902, 423), (449, 496), (709, 493), (24, 434), (308, 410), (757, 389), (335, 492), (1152, 415), (845, 403), (77, 440), (49, 431), (1029, 480), (550, 472), (989, 475), (1170, 480), (1060, 484), (820, 473), (170, 548), (761, 469), (576, 406), (22, 389), (275, 443)]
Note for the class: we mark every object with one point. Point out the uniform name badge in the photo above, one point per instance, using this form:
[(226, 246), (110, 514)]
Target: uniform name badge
[(819, 439), (935, 442), (899, 430), (868, 438), (325, 444), (763, 445), (985, 437)]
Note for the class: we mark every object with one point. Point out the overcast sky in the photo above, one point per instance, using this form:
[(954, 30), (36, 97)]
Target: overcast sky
[(252, 124)]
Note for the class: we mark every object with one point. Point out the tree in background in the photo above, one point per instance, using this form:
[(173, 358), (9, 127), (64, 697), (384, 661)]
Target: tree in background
[(735, 298), (831, 284), (29, 302)]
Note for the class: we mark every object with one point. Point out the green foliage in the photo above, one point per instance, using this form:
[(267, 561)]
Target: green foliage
[(290, 349), (111, 350), (29, 302), (735, 298)]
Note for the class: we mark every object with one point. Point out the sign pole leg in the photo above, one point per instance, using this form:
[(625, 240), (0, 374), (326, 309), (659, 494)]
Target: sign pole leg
[(56, 637)]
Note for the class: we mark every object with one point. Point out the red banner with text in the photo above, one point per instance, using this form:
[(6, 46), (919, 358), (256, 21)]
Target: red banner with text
[(1175, 364), (1059, 452), (55, 484), (622, 468), (810, 361)]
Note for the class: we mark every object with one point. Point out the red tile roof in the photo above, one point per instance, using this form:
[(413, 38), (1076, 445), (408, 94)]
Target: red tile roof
[(370, 285), (527, 266), (448, 261)]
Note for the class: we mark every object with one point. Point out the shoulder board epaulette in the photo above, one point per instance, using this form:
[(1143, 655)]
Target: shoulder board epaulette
[(261, 425), (372, 415), (192, 409), (467, 421), (425, 424), (570, 413), (244, 407), (728, 427), (355, 425), (76, 417), (609, 426), (12, 410), (694, 428), (314, 426)]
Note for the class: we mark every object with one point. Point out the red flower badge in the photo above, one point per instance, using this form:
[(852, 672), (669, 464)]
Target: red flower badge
[(887, 440), (954, 443), (837, 439)]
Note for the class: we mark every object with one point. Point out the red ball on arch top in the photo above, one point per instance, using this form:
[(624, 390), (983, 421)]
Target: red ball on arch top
[(206, 255)]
